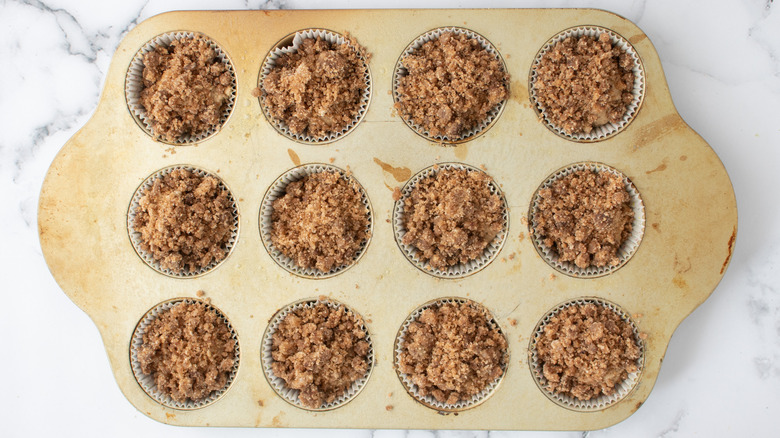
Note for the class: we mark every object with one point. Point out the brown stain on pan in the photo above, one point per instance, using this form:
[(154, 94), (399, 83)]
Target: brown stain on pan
[(400, 174), (660, 168), (169, 416), (658, 129), (637, 38), (461, 151), (294, 157), (731, 250), (680, 282), (519, 92)]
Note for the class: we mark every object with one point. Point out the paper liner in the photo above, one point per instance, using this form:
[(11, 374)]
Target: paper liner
[(134, 84), (602, 402), (285, 46), (278, 189), (279, 385), (461, 269), (626, 250), (604, 131), (400, 71), (135, 237), (429, 400), (147, 382)]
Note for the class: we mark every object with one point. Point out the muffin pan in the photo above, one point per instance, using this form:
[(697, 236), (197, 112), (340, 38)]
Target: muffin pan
[(689, 210)]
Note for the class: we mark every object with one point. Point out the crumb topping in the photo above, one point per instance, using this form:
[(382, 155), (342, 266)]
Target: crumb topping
[(186, 88), (185, 221), (585, 217), (452, 352), (451, 217), (450, 85), (320, 222), (584, 82), (586, 350), (188, 350), (320, 351), (317, 90)]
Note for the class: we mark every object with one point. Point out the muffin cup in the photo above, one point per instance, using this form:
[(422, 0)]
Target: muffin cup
[(135, 237), (400, 71), (604, 131), (279, 385), (278, 189), (429, 400), (134, 84), (626, 250), (461, 269), (602, 402), (291, 44), (146, 381)]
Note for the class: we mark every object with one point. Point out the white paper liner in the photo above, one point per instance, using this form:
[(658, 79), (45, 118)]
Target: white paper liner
[(146, 381), (278, 189), (461, 269), (134, 84), (626, 250), (429, 400), (400, 71), (604, 131), (595, 404), (278, 384), (135, 237), (297, 40)]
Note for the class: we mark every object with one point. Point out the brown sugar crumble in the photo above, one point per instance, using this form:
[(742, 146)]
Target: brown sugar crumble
[(185, 221), (317, 90), (188, 350), (452, 353), (584, 82), (320, 222), (585, 217), (451, 217), (450, 85), (586, 350), (320, 351), (186, 88)]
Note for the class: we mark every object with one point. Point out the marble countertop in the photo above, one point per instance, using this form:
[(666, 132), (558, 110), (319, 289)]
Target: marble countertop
[(721, 373)]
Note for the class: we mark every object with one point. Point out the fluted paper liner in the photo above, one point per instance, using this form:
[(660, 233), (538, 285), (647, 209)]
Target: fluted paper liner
[(609, 129), (146, 381), (297, 40), (278, 384), (626, 250), (134, 84), (400, 71), (604, 401), (278, 189), (429, 400), (461, 269), (135, 237)]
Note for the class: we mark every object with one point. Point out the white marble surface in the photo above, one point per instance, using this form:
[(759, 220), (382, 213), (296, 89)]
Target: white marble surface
[(721, 375)]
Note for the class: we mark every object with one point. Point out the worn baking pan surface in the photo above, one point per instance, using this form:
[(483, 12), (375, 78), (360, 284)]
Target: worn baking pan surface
[(690, 219)]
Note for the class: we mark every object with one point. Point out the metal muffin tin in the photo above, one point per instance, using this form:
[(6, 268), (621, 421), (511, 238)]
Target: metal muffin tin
[(691, 219)]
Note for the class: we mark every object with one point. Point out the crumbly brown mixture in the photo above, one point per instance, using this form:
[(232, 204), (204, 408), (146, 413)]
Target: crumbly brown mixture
[(585, 217), (584, 82), (586, 350), (451, 84), (320, 351), (451, 217), (186, 88), (185, 221), (317, 90), (320, 222), (188, 350), (452, 353)]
